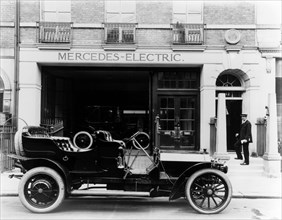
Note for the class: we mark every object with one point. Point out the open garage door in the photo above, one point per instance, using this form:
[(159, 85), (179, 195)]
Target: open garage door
[(113, 99)]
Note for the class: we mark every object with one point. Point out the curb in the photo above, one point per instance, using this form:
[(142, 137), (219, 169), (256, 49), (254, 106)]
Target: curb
[(255, 197), (9, 195)]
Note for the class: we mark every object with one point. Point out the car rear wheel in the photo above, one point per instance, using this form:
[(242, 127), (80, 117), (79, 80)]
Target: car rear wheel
[(208, 191), (41, 190)]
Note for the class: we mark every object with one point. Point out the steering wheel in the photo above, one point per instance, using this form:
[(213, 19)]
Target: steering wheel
[(82, 140)]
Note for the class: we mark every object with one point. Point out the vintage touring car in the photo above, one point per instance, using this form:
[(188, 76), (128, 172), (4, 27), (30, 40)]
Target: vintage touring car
[(59, 167)]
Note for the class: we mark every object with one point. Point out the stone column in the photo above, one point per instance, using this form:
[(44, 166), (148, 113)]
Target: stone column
[(221, 138), (29, 94), (272, 159)]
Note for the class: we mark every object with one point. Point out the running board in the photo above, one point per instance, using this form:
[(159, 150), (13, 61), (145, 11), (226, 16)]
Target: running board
[(108, 193)]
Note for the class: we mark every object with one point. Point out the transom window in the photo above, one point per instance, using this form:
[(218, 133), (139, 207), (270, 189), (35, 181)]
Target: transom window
[(177, 80), (228, 80), (230, 85)]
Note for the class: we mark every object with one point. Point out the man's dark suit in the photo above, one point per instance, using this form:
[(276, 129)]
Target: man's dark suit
[(245, 134)]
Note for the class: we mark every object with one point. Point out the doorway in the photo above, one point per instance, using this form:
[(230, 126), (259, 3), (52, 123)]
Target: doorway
[(177, 121), (115, 99), (177, 104), (233, 121)]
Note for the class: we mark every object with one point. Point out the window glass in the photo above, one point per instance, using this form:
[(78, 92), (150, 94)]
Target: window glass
[(120, 11), (187, 12), (180, 18), (1, 101), (194, 7), (127, 6), (167, 113), (56, 11), (113, 6), (127, 18), (178, 80), (1, 94), (113, 17), (227, 80)]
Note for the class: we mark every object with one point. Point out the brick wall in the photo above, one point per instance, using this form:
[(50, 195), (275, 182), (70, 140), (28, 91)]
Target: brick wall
[(217, 37), (87, 36), (88, 11), (153, 37), (30, 11), (7, 37), (229, 13), (28, 35), (7, 11), (153, 12), (147, 12)]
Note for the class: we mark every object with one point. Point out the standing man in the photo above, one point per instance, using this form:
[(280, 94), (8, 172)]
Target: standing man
[(245, 137)]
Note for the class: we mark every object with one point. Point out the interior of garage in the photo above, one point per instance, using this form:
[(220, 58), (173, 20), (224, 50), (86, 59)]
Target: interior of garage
[(109, 98)]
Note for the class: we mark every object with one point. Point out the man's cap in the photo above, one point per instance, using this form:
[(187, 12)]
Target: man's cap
[(244, 115)]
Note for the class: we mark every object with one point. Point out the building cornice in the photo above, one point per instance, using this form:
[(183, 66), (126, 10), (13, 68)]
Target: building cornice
[(117, 47), (270, 52), (197, 48), (7, 24), (157, 26)]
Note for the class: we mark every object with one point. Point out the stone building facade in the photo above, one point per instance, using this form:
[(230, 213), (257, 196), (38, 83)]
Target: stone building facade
[(143, 59)]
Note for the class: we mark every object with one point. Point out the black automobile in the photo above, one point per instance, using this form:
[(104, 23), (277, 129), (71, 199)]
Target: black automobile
[(55, 168)]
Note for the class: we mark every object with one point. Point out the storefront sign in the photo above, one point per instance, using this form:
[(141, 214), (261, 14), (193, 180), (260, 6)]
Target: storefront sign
[(119, 57)]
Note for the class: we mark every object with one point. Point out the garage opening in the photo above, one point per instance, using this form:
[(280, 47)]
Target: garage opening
[(115, 99)]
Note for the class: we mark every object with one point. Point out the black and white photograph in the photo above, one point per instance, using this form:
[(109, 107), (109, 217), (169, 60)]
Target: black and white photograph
[(140, 109)]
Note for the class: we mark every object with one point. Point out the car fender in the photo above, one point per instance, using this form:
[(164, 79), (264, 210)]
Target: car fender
[(28, 163), (176, 191)]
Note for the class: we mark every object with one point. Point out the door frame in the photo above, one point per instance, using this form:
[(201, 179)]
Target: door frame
[(156, 92)]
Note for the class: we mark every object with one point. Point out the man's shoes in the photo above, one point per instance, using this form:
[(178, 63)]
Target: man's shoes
[(244, 163), (236, 158)]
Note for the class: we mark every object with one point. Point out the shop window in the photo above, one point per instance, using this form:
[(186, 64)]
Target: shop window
[(55, 23), (167, 109), (177, 80), (120, 21)]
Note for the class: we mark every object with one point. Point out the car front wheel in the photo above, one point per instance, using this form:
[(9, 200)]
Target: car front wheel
[(41, 190), (208, 191)]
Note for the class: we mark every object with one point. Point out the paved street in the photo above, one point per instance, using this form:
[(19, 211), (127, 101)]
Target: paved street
[(141, 208)]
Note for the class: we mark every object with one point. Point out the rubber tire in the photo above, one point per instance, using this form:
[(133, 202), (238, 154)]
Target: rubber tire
[(18, 143), (46, 171), (196, 175)]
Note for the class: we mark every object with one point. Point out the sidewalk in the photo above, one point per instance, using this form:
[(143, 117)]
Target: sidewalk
[(250, 181), (247, 181)]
